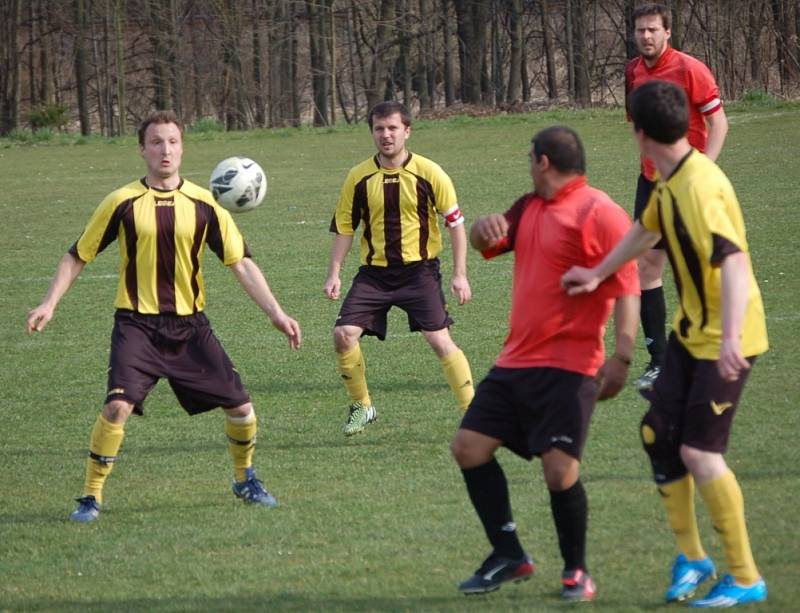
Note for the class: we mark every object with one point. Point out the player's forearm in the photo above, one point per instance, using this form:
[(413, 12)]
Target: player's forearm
[(735, 286), (458, 241), (255, 285), (68, 269), (626, 324), (717, 131), (633, 244), (339, 250)]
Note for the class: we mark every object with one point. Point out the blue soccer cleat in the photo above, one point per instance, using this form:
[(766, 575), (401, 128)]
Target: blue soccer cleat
[(687, 575), (495, 571), (88, 510), (728, 593), (252, 490)]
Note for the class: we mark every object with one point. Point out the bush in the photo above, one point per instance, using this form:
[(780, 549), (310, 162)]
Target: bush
[(48, 116), (207, 124)]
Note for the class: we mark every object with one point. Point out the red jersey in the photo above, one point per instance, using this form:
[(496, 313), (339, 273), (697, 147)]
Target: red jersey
[(548, 328), (696, 80)]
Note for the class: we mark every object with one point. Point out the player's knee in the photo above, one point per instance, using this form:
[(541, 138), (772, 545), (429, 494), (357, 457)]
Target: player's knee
[(343, 339), (244, 412), (441, 342), (660, 441), (117, 410), (466, 454)]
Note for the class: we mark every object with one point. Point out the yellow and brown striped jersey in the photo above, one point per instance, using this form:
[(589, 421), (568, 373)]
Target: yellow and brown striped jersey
[(698, 214), (162, 237), (398, 209)]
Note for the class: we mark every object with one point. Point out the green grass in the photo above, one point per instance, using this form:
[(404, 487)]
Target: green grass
[(380, 522)]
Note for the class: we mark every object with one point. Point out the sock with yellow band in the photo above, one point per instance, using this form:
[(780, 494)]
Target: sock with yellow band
[(678, 500), (459, 377), (725, 503), (352, 369), (241, 433), (104, 444)]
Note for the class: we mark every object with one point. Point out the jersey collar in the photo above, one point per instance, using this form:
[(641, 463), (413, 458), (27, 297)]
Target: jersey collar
[(661, 60), (143, 181)]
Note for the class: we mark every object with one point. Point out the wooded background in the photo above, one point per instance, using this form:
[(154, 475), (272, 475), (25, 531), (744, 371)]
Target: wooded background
[(99, 65)]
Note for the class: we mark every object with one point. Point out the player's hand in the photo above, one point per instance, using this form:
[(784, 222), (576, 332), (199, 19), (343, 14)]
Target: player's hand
[(492, 228), (333, 287), (611, 378), (578, 280), (460, 288), (290, 328), (38, 318), (731, 361)]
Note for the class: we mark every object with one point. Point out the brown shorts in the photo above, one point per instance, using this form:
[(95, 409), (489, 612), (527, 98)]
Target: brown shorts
[(690, 395), (533, 409), (416, 288), (181, 349), (645, 187)]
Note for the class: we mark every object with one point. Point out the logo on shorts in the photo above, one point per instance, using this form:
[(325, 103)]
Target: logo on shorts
[(720, 408), (116, 391), (561, 439)]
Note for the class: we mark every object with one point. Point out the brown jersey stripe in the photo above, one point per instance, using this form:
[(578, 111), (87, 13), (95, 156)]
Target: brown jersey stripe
[(424, 196), (165, 255), (131, 282), (692, 261), (392, 230), (361, 210), (214, 235)]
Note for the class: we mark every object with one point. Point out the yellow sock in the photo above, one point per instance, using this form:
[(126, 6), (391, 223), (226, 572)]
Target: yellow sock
[(459, 377), (352, 368), (241, 432), (104, 446), (678, 499), (725, 503)]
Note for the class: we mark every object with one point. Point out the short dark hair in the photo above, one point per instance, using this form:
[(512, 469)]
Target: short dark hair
[(387, 108), (660, 109), (159, 117), (563, 148), (653, 8)]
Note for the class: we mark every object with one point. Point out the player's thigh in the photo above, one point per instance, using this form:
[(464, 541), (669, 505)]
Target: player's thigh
[(203, 377), (711, 407), (423, 300), (134, 363), (366, 306)]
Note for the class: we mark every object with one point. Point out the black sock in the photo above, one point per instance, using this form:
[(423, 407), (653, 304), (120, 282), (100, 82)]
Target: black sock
[(654, 320), (570, 514), (488, 491)]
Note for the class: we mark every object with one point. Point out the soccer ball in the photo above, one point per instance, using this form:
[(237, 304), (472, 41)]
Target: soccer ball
[(238, 184)]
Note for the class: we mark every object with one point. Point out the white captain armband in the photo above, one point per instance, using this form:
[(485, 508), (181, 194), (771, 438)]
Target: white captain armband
[(453, 217)]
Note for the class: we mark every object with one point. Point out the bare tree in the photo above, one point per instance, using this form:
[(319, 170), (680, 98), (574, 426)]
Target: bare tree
[(515, 65), (81, 71), (317, 13), (9, 66), (472, 17), (549, 52), (381, 56)]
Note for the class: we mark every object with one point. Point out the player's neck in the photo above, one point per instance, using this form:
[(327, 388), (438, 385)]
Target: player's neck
[(650, 62), (164, 183), (668, 157), (394, 162)]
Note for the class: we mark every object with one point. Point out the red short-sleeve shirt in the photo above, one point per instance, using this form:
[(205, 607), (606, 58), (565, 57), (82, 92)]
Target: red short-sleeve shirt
[(696, 80), (548, 328)]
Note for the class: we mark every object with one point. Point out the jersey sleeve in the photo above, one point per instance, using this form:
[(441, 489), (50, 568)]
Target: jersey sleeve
[(513, 217), (702, 89), (101, 230), (444, 192), (224, 238), (346, 217), (604, 228)]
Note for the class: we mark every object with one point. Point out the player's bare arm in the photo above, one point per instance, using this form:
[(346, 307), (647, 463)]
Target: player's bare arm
[(459, 286), (252, 280), (488, 230), (614, 372), (717, 131), (68, 269), (735, 271), (339, 250), (579, 280)]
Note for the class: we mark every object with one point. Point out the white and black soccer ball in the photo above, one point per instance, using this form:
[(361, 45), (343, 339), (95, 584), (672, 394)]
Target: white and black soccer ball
[(238, 184)]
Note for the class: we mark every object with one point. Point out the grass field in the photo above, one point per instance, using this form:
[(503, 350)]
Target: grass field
[(380, 522)]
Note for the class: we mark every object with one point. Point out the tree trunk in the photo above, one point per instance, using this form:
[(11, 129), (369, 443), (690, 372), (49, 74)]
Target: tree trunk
[(258, 84), (549, 53), (449, 78), (497, 74), (583, 95), (515, 65), (471, 17), (380, 56), (318, 56), (81, 71), (755, 20), (630, 28), (119, 56), (676, 39)]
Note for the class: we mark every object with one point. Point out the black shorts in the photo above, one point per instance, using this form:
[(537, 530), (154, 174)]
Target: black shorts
[(690, 394), (181, 349), (416, 288), (533, 409), (645, 187)]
